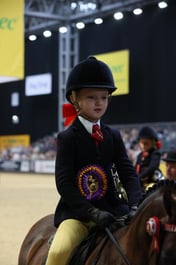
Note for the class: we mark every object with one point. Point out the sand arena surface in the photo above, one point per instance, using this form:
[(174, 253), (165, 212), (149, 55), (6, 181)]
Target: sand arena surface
[(24, 199)]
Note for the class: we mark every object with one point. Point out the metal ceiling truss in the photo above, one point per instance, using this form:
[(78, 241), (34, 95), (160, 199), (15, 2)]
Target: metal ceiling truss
[(51, 14)]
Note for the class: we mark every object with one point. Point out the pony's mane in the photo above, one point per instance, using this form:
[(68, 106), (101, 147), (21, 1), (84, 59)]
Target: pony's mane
[(156, 186)]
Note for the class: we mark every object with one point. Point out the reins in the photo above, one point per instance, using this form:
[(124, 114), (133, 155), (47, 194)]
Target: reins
[(117, 245), (100, 251)]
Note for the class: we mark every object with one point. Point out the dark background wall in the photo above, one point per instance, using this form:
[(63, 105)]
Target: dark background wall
[(37, 114), (151, 40)]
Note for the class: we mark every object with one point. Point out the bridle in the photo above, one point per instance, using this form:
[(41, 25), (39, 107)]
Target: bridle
[(153, 228)]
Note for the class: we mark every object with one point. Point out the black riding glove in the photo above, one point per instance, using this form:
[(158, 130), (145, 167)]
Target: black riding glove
[(101, 218)]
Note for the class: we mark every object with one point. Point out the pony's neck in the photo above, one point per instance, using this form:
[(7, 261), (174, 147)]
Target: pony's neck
[(131, 236)]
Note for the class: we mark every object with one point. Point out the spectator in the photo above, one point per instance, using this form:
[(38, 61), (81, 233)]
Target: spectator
[(170, 161)]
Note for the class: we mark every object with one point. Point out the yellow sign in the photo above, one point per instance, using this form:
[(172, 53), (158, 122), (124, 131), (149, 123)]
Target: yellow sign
[(118, 62), (162, 167), (11, 40), (9, 141)]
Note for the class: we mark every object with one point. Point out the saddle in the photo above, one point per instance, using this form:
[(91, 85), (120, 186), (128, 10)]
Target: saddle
[(96, 236), (83, 251)]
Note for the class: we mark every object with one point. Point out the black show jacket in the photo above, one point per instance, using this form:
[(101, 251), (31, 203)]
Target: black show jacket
[(76, 155)]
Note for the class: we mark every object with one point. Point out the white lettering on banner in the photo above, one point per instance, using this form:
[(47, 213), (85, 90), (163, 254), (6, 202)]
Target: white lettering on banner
[(44, 166), (38, 84)]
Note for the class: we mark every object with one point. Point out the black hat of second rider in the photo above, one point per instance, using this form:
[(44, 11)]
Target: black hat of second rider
[(170, 156), (90, 73), (147, 133)]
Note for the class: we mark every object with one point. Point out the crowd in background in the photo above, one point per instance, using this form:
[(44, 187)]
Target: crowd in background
[(42, 149), (45, 148)]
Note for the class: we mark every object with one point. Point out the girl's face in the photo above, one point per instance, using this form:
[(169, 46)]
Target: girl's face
[(92, 102), (146, 144)]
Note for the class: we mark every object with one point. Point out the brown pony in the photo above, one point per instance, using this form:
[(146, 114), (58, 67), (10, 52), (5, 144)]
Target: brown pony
[(129, 245)]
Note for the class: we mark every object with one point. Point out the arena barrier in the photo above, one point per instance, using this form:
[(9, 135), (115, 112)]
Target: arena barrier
[(33, 166)]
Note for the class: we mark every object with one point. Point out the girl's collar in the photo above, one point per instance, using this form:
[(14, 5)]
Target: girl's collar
[(88, 124)]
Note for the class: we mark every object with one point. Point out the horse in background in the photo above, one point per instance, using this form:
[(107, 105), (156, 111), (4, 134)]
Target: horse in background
[(144, 241)]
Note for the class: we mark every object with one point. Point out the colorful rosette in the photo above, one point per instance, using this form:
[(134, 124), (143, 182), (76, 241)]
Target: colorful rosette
[(92, 182)]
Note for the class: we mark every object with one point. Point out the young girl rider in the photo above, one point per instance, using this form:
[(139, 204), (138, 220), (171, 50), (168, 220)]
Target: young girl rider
[(88, 162), (148, 160)]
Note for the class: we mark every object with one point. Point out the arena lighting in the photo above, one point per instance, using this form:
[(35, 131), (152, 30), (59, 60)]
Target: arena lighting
[(118, 15), (137, 11), (80, 25), (83, 6), (73, 5), (15, 119), (89, 6), (63, 29), (32, 37), (47, 33), (162, 4), (98, 21)]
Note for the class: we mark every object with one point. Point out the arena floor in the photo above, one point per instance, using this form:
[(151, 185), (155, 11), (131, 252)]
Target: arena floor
[(24, 199)]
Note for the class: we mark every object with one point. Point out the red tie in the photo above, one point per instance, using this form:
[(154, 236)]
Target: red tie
[(97, 133)]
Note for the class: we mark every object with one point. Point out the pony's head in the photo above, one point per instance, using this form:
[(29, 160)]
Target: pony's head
[(168, 228), (147, 230), (162, 228)]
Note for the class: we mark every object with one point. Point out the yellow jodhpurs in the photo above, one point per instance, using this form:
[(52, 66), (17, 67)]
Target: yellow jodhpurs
[(69, 235)]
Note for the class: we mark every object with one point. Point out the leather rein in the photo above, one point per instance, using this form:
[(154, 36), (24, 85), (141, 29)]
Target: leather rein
[(117, 245)]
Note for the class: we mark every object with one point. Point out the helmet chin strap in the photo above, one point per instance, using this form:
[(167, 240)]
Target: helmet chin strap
[(74, 101)]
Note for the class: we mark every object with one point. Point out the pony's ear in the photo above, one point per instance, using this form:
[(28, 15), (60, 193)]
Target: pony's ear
[(169, 200)]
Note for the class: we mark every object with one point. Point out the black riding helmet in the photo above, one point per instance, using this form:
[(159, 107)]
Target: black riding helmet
[(90, 73), (147, 133)]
